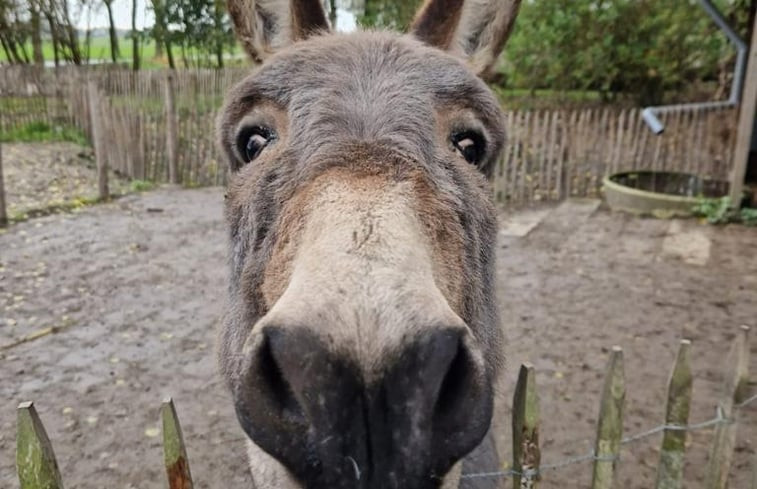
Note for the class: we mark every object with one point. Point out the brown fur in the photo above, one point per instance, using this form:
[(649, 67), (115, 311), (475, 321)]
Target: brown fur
[(437, 22), (308, 18), (359, 226)]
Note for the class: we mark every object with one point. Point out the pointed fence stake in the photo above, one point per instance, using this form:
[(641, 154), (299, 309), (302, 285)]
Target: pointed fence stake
[(670, 470), (610, 425), (734, 389), (101, 156), (172, 127), (35, 458), (526, 453), (174, 451)]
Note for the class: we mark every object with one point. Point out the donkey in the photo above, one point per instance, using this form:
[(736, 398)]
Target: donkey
[(361, 340)]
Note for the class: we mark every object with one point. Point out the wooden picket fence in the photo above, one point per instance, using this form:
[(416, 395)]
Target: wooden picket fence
[(160, 126), (552, 155), (38, 468)]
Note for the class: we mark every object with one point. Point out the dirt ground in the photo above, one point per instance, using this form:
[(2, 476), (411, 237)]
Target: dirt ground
[(40, 176), (137, 286)]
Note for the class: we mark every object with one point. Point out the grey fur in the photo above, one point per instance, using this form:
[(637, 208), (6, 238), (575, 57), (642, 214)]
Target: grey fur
[(372, 93)]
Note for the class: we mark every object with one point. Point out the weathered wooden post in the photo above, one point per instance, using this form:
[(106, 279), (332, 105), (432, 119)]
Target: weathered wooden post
[(95, 117), (526, 453), (174, 451), (734, 389), (172, 130), (35, 459), (746, 123), (610, 424), (3, 212), (670, 470)]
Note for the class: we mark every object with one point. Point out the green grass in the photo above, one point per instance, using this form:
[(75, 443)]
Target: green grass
[(99, 51), (42, 132), (141, 185)]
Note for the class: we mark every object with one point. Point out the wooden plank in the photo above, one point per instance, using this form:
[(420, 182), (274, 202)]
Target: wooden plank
[(525, 421), (711, 142), (35, 458), (698, 143), (687, 144), (96, 122), (3, 212), (562, 153), (543, 188), (550, 187), (617, 148), (643, 133), (670, 469), (517, 147), (607, 144), (610, 424), (735, 382), (526, 151), (746, 122), (174, 450), (172, 134)]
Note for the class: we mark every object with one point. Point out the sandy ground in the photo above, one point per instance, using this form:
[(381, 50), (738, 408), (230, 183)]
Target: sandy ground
[(137, 286)]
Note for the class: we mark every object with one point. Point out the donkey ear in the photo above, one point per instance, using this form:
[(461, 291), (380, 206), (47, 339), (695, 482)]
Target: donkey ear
[(265, 26), (477, 29)]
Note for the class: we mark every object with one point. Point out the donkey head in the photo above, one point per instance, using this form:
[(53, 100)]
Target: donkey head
[(361, 341)]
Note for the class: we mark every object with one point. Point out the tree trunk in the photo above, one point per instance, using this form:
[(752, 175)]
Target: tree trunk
[(36, 28), (169, 52), (87, 46), (53, 36), (6, 48), (9, 42), (219, 36), (184, 55), (72, 37), (332, 14), (115, 52), (10, 52), (219, 55), (134, 37), (159, 30), (24, 54)]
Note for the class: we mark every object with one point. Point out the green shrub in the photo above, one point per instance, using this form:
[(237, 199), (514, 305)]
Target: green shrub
[(720, 211), (141, 185)]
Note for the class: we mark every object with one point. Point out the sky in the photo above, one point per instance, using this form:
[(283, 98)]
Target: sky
[(122, 15)]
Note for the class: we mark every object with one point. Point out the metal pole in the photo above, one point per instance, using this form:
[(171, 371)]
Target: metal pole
[(650, 114)]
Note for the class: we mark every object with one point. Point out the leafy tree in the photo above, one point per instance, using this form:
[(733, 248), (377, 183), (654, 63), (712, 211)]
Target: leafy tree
[(14, 31), (637, 47), (394, 14)]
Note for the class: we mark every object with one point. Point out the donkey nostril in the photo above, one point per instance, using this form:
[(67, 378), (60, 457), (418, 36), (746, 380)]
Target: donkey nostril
[(453, 388), (273, 380)]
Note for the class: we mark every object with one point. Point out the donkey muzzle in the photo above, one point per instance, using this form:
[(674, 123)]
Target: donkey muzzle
[(308, 404)]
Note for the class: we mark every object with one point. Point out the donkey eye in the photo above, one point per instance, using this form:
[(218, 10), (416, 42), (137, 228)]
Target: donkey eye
[(253, 140), (470, 145)]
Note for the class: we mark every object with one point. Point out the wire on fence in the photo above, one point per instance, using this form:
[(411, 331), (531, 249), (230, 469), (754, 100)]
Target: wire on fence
[(531, 474)]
